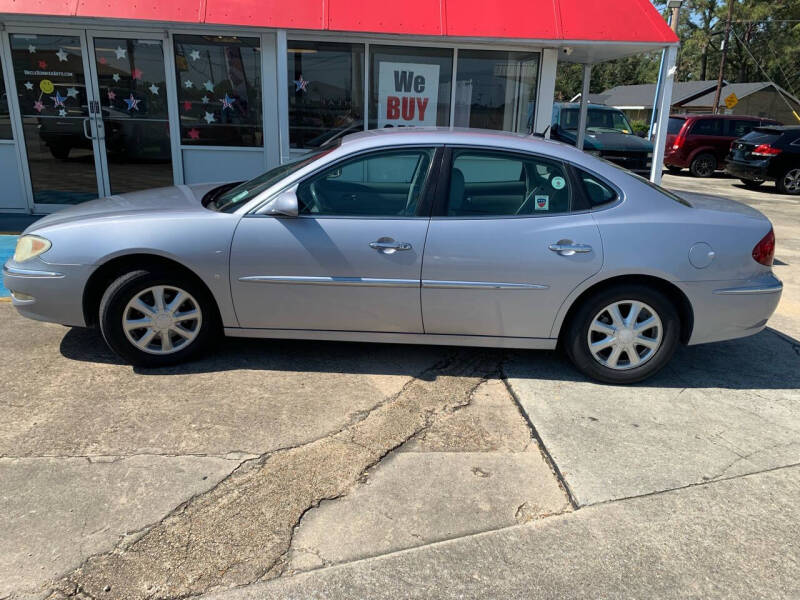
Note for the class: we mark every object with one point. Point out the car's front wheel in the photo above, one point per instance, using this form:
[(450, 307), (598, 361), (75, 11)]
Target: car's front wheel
[(789, 181), (623, 334), (154, 319)]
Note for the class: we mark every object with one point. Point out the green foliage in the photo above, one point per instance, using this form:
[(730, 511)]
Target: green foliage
[(640, 128), (770, 29)]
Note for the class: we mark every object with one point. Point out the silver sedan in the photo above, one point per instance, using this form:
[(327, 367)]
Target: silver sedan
[(414, 236)]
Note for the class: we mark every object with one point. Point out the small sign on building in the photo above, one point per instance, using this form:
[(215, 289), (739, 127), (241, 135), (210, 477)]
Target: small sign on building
[(731, 101)]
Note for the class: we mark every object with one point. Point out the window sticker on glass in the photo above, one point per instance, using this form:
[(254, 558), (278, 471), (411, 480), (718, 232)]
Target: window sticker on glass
[(407, 94), (542, 202), (558, 183)]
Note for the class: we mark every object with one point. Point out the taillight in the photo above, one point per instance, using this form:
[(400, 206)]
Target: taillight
[(764, 251), (765, 150), (678, 143)]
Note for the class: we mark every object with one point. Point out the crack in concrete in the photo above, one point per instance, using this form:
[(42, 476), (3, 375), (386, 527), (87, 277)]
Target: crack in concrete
[(240, 530)]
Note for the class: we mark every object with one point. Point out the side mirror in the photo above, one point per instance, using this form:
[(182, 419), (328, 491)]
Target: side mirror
[(284, 204)]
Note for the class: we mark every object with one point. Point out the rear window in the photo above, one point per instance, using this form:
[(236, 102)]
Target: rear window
[(674, 126), (707, 127), (761, 136)]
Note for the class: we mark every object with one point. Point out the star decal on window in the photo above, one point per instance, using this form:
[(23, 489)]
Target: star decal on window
[(58, 100), (209, 86), (227, 102), (133, 103), (188, 84), (301, 85), (28, 85), (120, 52), (62, 56), (72, 92), (32, 49), (154, 89), (38, 106), (194, 134), (209, 118), (194, 54), (115, 77), (111, 95), (136, 74)]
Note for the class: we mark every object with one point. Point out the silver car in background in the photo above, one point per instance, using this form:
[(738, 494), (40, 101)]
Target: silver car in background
[(457, 237)]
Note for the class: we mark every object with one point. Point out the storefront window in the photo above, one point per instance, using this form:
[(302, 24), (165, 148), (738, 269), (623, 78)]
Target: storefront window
[(409, 86), (219, 90), (496, 90), (5, 121), (326, 91)]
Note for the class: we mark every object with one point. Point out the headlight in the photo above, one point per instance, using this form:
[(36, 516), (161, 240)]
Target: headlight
[(30, 246)]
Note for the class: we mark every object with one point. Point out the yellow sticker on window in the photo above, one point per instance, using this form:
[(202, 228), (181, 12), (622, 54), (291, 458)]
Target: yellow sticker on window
[(46, 86)]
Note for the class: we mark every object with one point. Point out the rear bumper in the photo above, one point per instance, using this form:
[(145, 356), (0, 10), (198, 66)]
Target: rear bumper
[(676, 158), (46, 292), (730, 310), (746, 171)]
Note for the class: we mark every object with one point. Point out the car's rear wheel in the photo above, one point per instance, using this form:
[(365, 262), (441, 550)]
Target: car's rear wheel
[(154, 319), (789, 181), (703, 165), (623, 334), (752, 184)]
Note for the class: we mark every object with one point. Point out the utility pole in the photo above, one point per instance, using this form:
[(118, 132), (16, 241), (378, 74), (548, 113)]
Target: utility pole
[(724, 55)]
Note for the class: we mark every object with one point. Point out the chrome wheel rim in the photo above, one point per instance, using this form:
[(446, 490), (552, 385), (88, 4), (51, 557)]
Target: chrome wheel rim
[(791, 181), (162, 319), (625, 335)]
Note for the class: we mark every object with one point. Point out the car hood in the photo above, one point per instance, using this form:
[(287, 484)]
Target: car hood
[(178, 198)]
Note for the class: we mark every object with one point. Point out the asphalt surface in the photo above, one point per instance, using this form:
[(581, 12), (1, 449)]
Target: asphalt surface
[(304, 469)]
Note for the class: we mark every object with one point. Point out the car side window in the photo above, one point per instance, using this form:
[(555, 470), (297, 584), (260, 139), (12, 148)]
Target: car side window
[(596, 190), (381, 184), (495, 184), (707, 127), (737, 128)]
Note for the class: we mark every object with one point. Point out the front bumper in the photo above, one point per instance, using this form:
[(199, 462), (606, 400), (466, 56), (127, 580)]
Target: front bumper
[(730, 310), (48, 292), (742, 170)]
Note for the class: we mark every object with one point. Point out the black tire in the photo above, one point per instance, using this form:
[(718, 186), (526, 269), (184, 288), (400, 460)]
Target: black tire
[(703, 165), (674, 170), (576, 334), (787, 183), (752, 184), (126, 288)]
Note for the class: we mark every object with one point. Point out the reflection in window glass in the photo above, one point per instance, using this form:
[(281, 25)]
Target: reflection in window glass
[(596, 119), (385, 184), (219, 90), (326, 92), (5, 121), (496, 90), (409, 86), (490, 184), (133, 97)]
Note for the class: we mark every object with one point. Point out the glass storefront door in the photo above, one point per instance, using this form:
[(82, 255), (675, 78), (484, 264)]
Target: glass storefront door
[(132, 90), (50, 75), (94, 114)]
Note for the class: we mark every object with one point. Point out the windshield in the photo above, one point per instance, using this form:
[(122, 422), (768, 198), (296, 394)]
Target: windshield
[(244, 192), (597, 119)]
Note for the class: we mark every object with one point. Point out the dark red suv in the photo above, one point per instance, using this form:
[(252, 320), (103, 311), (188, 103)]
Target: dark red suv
[(701, 142)]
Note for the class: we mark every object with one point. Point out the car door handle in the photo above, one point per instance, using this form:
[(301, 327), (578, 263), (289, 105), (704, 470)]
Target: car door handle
[(567, 248), (389, 247)]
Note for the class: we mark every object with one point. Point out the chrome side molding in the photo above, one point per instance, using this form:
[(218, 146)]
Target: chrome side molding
[(355, 281), (480, 285)]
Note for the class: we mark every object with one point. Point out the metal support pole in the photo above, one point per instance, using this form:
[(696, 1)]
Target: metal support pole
[(667, 75), (672, 21), (587, 78)]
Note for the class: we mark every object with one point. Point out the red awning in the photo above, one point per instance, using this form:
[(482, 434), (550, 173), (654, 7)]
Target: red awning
[(562, 20)]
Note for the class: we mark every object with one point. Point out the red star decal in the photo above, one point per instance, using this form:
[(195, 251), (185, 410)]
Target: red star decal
[(194, 134), (111, 95), (187, 105), (136, 74), (102, 60), (42, 64)]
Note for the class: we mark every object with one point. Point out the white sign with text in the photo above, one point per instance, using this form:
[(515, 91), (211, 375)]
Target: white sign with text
[(407, 94)]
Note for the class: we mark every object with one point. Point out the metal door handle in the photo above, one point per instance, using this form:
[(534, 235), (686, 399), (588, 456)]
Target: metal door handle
[(85, 132), (568, 248), (383, 246)]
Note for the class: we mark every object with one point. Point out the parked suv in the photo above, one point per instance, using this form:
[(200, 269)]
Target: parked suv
[(768, 153), (701, 142), (609, 135)]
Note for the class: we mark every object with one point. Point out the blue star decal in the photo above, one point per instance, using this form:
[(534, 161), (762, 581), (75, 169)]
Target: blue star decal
[(301, 85), (133, 103), (58, 100), (227, 102)]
